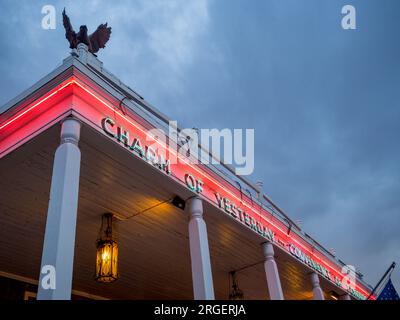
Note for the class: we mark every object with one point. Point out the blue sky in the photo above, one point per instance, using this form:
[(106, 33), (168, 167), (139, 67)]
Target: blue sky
[(324, 102)]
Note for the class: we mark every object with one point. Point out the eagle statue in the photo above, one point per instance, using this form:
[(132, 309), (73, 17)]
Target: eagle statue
[(96, 41)]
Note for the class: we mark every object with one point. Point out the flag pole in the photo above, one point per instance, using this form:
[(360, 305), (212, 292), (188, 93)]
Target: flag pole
[(383, 277)]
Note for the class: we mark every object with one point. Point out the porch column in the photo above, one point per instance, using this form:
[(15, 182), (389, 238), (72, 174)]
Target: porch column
[(271, 272), (317, 291), (345, 296), (203, 288), (55, 280)]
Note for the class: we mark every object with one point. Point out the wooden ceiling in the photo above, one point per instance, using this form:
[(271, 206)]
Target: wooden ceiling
[(154, 260)]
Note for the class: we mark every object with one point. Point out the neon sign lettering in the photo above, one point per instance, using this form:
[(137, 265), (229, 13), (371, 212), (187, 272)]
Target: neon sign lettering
[(306, 259), (239, 214), (145, 152), (232, 208), (309, 261), (194, 184)]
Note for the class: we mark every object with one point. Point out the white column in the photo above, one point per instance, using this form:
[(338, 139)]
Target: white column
[(317, 291), (59, 238), (345, 296), (203, 288), (271, 272)]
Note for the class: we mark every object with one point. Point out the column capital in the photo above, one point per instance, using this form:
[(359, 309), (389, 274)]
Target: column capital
[(345, 296), (268, 250), (70, 131), (317, 291), (314, 279), (271, 272), (195, 207)]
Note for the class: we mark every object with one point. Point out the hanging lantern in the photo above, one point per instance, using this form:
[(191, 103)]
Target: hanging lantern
[(107, 252), (236, 293)]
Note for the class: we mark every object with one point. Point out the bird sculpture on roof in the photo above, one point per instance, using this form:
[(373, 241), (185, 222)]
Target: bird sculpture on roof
[(96, 41)]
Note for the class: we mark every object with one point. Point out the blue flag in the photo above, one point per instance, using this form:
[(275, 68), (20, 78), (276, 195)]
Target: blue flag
[(388, 292)]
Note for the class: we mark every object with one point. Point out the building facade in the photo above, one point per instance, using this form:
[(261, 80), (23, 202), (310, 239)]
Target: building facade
[(76, 145)]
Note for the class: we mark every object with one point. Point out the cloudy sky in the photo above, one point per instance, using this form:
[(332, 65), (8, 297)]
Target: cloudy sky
[(324, 102)]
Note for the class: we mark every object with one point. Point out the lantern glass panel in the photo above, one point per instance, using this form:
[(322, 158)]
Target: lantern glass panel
[(107, 261)]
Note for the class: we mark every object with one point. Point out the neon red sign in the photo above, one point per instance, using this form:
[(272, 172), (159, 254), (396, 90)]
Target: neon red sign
[(131, 132)]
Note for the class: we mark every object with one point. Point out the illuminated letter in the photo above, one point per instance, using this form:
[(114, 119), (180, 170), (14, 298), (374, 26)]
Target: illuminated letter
[(269, 234), (164, 165), (219, 199), (234, 212), (240, 211), (108, 122), (151, 155), (190, 181), (167, 166), (292, 249), (253, 224), (123, 136), (136, 146), (199, 186), (259, 228), (227, 205), (246, 219), (156, 140)]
